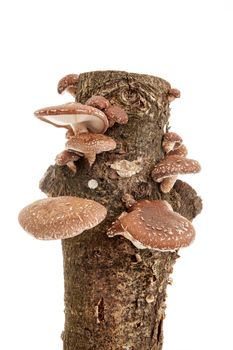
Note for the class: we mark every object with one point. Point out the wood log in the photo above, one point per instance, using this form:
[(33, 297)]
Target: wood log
[(115, 293)]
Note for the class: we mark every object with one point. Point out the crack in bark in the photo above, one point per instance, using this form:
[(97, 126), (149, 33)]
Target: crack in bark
[(100, 311)]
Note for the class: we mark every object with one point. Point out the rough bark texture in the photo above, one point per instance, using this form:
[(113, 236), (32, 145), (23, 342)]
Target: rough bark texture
[(114, 293)]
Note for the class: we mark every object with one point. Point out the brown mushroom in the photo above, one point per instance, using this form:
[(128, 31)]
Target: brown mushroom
[(68, 83), (67, 158), (171, 141), (76, 116), (181, 151), (61, 217), (167, 170), (128, 200), (154, 225), (99, 102), (168, 183), (173, 94), (70, 133), (116, 114), (88, 145)]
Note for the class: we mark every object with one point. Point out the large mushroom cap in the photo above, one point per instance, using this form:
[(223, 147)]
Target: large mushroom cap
[(174, 165), (154, 225), (76, 116), (61, 217)]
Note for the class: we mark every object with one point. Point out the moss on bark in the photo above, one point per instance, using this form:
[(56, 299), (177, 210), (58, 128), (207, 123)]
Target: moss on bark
[(114, 293)]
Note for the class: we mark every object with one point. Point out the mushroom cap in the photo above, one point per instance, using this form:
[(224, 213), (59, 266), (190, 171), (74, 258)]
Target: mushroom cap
[(116, 114), (65, 157), (171, 141), (181, 151), (168, 183), (98, 102), (85, 143), (173, 94), (61, 217), (146, 203), (154, 225), (68, 82), (174, 165), (70, 115)]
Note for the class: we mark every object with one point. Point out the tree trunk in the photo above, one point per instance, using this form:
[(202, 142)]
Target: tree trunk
[(114, 293)]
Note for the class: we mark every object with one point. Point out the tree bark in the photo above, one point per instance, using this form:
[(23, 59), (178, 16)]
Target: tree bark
[(114, 293)]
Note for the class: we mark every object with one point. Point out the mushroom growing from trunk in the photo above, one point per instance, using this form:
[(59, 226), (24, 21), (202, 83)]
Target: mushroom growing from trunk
[(68, 83), (154, 225), (67, 158), (167, 170), (88, 145), (171, 141), (99, 102), (61, 217), (181, 151), (114, 113), (173, 94), (76, 117)]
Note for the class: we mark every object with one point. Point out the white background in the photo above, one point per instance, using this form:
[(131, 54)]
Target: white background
[(189, 43)]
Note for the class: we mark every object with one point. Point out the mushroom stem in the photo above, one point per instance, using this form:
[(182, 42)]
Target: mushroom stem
[(167, 184), (72, 166), (91, 157), (80, 128)]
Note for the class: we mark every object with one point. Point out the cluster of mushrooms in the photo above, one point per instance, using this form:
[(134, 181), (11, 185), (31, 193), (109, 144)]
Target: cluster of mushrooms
[(86, 124), (148, 224), (174, 163)]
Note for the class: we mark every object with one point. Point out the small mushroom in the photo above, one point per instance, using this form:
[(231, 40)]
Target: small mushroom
[(61, 217), (116, 114), (181, 151), (173, 94), (167, 170), (171, 141), (128, 200), (99, 102), (88, 145), (68, 83), (75, 116), (154, 225), (67, 158)]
